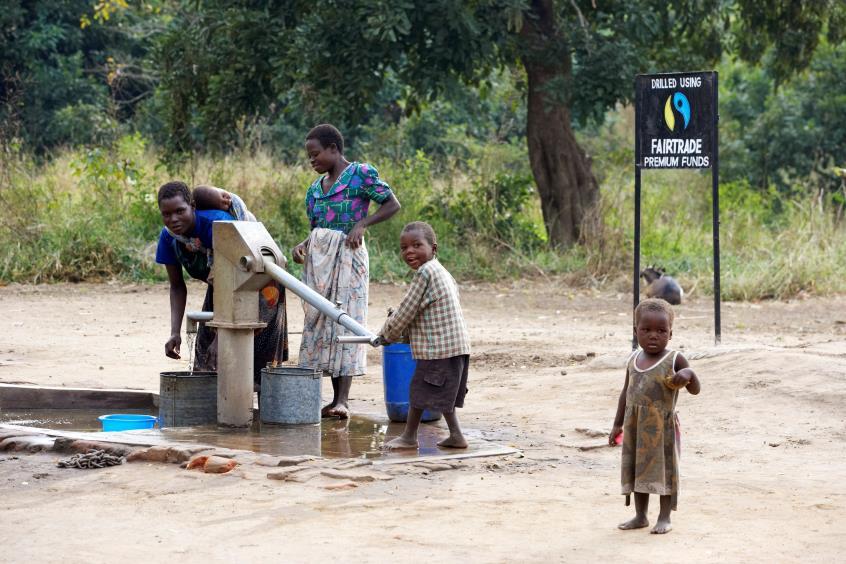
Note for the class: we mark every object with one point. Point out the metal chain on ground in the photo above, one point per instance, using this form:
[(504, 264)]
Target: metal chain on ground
[(91, 459)]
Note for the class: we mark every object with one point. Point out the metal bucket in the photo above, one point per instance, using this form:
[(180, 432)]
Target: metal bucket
[(290, 395), (187, 399)]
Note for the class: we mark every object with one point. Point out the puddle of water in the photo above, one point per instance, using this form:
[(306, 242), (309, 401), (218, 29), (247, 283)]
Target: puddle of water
[(361, 436), (61, 419)]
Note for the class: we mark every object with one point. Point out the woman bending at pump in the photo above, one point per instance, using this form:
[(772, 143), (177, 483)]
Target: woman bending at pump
[(336, 262), (186, 242)]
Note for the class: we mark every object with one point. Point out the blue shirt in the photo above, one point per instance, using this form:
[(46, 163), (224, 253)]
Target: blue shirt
[(202, 232)]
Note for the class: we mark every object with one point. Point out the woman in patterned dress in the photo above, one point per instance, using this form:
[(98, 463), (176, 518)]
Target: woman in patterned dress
[(335, 257)]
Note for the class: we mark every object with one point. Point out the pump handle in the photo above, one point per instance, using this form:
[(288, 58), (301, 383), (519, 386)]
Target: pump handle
[(353, 339)]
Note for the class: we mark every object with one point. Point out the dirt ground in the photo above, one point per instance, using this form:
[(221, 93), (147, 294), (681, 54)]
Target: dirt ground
[(763, 470)]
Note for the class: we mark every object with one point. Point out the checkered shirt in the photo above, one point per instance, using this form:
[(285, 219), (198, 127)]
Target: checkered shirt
[(430, 314)]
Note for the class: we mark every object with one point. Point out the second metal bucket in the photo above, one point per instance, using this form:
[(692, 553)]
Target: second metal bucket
[(290, 395), (187, 399)]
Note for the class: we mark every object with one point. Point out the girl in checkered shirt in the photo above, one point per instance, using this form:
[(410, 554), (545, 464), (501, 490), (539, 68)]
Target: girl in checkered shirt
[(430, 313)]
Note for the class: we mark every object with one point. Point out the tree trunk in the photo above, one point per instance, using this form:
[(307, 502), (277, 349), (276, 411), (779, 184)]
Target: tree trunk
[(562, 171)]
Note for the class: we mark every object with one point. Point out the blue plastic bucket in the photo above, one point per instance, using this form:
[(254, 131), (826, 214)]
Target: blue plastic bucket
[(126, 421), (397, 369)]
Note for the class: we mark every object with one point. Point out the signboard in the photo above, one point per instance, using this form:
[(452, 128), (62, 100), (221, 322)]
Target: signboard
[(676, 127), (676, 117)]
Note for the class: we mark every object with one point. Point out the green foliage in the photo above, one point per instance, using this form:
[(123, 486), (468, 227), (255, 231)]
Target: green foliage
[(433, 94), (784, 33), (85, 124), (91, 215), (87, 216), (116, 176), (452, 129), (64, 76), (793, 137), (496, 208), (353, 63), (488, 226), (217, 67), (611, 42), (359, 62)]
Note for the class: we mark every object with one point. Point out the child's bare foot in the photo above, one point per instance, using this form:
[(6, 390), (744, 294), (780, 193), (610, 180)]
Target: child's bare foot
[(661, 527), (401, 442), (453, 442), (324, 413), (341, 411), (636, 522)]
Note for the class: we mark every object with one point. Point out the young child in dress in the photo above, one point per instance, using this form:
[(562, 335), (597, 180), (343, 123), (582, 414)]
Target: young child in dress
[(646, 415), (440, 344)]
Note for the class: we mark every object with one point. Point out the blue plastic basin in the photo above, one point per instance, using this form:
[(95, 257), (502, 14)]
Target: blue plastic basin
[(397, 369), (126, 421)]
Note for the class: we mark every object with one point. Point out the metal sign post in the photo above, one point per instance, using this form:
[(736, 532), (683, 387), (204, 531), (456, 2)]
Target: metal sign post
[(676, 127)]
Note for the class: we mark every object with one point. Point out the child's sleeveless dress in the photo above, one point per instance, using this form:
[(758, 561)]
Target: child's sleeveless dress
[(650, 430)]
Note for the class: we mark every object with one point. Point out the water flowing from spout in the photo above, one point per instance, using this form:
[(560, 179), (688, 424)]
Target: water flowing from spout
[(190, 338)]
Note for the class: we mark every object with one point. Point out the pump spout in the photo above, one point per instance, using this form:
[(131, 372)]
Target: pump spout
[(194, 318), (323, 305)]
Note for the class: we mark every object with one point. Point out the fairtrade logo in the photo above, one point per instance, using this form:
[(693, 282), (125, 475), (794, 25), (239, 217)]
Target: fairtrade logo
[(677, 104)]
